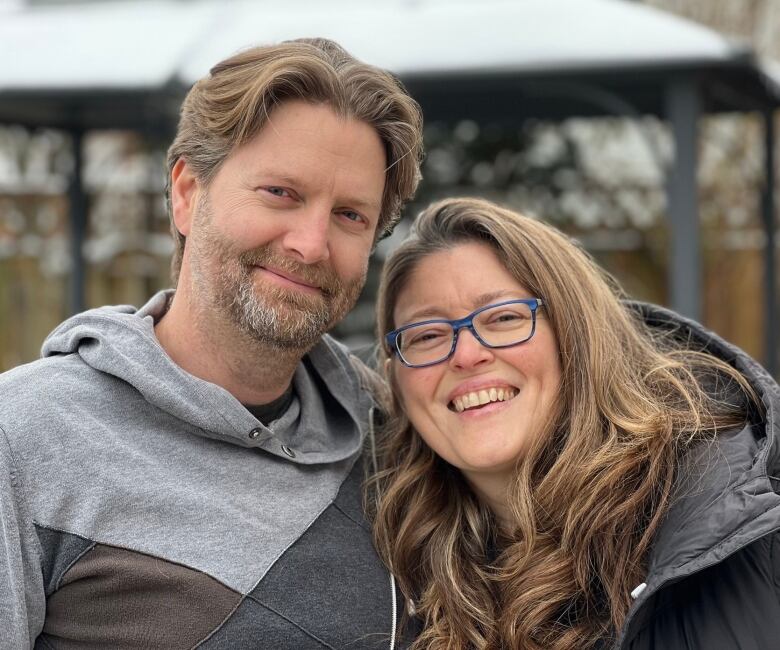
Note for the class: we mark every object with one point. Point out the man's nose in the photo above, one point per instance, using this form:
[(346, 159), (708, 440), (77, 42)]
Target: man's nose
[(307, 236), (469, 351)]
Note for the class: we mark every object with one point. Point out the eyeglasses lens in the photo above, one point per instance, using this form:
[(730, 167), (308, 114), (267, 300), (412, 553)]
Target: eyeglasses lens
[(499, 326)]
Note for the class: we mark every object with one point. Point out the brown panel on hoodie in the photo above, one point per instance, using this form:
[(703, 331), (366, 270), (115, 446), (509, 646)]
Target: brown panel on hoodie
[(114, 598)]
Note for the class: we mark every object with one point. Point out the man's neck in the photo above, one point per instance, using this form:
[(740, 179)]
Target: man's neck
[(214, 350)]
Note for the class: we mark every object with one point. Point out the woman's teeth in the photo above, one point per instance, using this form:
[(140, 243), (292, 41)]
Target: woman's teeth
[(482, 397)]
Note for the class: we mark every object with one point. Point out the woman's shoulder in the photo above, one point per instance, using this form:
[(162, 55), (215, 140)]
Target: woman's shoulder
[(713, 578), (734, 603)]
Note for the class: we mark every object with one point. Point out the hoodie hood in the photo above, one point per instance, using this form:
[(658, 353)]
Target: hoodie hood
[(726, 495), (324, 424)]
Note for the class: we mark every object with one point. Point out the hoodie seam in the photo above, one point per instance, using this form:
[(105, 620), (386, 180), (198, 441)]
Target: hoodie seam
[(71, 564), (290, 621), (130, 549), (221, 624), (304, 530), (349, 517), (18, 485)]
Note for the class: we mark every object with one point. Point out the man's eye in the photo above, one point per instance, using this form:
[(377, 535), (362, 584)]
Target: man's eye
[(352, 216), (277, 191)]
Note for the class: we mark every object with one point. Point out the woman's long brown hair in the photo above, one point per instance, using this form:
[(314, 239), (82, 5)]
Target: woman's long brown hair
[(594, 485)]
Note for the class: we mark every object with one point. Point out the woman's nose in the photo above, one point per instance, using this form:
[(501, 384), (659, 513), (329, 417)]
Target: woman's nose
[(469, 351)]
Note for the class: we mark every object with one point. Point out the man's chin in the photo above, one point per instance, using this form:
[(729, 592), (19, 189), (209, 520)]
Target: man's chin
[(286, 339), (285, 326), (290, 301), (284, 318)]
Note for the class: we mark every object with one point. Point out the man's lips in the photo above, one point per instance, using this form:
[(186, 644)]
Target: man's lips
[(287, 279)]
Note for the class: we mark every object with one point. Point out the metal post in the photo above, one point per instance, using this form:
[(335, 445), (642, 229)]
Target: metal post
[(78, 225), (684, 280), (768, 218)]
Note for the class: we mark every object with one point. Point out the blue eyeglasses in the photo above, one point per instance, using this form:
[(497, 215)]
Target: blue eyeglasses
[(501, 325)]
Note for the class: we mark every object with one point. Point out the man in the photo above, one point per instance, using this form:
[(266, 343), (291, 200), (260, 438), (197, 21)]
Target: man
[(188, 474)]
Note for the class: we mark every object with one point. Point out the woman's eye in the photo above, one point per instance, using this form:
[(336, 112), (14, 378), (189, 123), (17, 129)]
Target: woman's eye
[(428, 337), (507, 318)]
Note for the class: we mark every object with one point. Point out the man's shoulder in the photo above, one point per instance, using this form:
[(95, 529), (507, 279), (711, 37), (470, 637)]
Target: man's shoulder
[(40, 375), (41, 389)]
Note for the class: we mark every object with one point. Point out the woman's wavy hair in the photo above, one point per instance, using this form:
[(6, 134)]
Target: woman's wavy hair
[(229, 106), (594, 485)]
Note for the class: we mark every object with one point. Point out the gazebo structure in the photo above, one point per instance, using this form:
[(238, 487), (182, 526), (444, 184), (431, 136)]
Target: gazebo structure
[(126, 65)]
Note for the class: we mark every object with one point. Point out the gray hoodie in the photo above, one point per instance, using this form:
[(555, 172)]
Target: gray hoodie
[(142, 507)]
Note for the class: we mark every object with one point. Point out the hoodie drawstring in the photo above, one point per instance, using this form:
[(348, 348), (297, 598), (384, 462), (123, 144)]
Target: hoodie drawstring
[(395, 611)]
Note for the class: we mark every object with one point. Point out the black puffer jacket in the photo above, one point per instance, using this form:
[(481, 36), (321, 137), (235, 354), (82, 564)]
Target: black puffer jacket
[(713, 579)]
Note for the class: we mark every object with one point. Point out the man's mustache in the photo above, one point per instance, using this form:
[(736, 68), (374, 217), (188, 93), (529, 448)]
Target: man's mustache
[(317, 275)]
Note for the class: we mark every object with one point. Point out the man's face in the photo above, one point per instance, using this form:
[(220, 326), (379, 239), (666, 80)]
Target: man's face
[(280, 239)]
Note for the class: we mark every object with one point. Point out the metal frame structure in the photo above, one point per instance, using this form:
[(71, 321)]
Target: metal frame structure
[(679, 90)]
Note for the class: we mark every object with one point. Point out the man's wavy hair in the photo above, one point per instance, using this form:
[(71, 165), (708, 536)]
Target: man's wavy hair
[(228, 107), (591, 490)]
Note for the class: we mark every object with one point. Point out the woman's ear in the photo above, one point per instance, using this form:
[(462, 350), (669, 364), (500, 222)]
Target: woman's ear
[(185, 189)]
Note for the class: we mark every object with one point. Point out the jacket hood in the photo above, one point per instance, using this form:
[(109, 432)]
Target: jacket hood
[(725, 498), (324, 424)]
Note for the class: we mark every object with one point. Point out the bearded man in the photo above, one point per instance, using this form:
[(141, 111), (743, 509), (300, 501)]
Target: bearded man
[(188, 474)]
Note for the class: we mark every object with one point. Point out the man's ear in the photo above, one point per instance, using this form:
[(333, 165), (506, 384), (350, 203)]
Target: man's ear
[(185, 189)]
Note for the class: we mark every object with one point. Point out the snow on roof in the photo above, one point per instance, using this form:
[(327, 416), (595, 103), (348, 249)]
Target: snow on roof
[(516, 35), (99, 45), (146, 43)]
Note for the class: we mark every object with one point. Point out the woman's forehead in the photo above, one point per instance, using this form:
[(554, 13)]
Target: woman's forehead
[(460, 279)]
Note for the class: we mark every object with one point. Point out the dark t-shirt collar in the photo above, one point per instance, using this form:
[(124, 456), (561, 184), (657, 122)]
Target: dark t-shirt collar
[(267, 413)]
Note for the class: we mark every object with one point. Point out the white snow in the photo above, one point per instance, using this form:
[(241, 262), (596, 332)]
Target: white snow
[(146, 43)]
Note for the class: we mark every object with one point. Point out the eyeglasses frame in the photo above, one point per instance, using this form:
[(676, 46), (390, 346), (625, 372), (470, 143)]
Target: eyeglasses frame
[(467, 322)]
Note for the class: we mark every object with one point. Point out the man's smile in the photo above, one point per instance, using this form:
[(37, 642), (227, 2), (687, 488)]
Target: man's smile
[(286, 279)]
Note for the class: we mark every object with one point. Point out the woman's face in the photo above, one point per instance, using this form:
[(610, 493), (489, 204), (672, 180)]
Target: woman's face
[(484, 442)]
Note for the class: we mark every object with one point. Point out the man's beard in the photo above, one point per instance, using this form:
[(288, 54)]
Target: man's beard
[(272, 315)]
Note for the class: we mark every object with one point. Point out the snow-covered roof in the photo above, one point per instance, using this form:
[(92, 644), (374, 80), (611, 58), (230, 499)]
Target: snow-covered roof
[(123, 45), (441, 36), (126, 63), (146, 43)]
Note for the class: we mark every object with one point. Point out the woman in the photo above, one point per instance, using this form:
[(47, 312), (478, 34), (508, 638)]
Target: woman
[(560, 468)]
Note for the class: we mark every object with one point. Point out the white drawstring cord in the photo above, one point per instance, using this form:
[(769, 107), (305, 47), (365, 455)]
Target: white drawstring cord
[(395, 611), (393, 599)]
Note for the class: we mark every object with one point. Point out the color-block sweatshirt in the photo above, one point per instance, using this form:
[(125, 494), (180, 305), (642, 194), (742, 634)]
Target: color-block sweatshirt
[(142, 507)]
